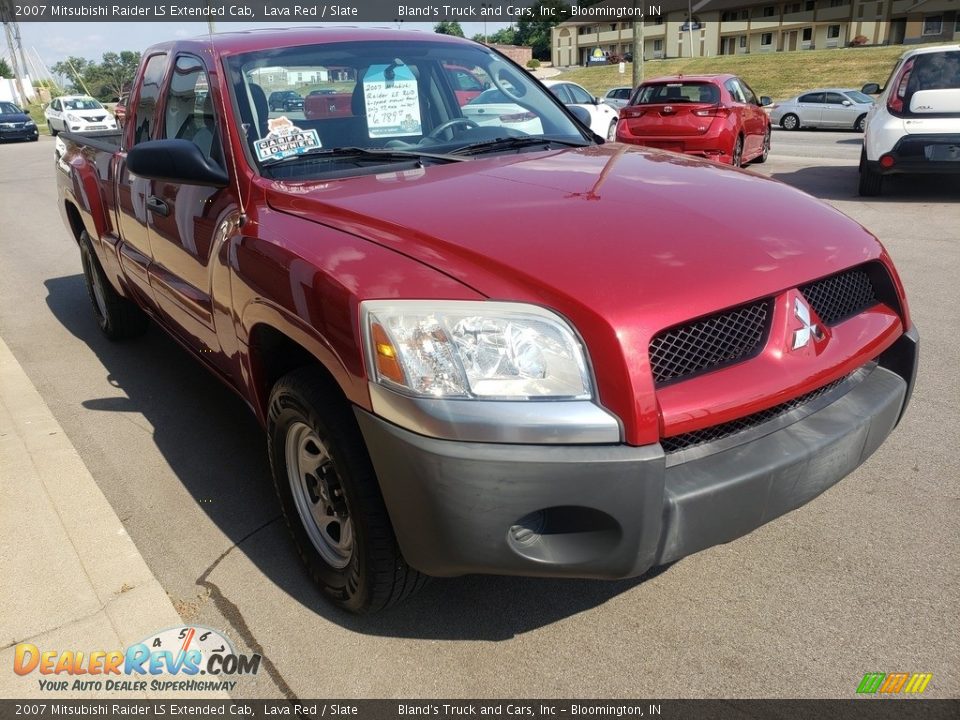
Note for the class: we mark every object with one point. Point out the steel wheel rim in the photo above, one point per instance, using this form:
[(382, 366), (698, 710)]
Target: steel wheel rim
[(737, 153), (318, 495), (612, 131), (789, 122), (96, 285)]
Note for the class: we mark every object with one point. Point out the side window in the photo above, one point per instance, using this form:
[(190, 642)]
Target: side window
[(189, 113), (144, 118), (560, 92), (579, 95), (748, 95), (811, 98), (834, 99), (733, 87)]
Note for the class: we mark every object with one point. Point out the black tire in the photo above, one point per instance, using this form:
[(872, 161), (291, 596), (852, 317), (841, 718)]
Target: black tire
[(35, 138), (373, 575), (861, 124), (762, 158), (871, 182), (612, 132), (118, 317), (736, 159), (790, 122)]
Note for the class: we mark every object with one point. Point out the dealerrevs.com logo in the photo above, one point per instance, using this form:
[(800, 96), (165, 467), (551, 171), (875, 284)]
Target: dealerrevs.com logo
[(185, 658)]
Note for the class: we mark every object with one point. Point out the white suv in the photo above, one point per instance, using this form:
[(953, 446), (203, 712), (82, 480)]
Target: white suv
[(914, 126)]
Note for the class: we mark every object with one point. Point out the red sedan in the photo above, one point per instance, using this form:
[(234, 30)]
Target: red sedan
[(713, 116)]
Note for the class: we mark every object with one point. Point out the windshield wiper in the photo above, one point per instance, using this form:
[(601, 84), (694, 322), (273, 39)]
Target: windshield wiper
[(342, 153), (508, 143)]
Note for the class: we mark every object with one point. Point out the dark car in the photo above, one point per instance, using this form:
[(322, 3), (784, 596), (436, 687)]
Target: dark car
[(15, 124), (713, 116), (285, 100)]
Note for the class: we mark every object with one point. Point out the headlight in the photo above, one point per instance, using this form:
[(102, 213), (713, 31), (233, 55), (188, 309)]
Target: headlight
[(29, 123), (73, 118), (480, 350)]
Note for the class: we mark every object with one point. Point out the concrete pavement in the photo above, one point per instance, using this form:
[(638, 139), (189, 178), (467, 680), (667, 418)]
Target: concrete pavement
[(73, 578)]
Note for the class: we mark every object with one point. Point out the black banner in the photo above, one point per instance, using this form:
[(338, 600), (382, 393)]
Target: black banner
[(854, 709), (508, 11)]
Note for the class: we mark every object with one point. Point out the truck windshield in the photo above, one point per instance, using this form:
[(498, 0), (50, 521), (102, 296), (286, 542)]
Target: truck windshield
[(410, 96)]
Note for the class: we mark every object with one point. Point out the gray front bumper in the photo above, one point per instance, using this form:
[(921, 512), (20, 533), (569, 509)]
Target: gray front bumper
[(613, 511)]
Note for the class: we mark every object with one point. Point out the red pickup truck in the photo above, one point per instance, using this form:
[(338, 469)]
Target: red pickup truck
[(476, 350)]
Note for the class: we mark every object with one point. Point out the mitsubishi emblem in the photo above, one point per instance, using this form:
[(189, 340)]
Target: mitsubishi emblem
[(802, 336)]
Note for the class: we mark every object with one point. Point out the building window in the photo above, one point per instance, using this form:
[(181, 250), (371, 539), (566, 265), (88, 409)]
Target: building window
[(837, 3), (795, 8), (743, 41), (807, 34), (769, 11), (657, 45), (766, 39), (810, 4), (833, 31), (933, 25)]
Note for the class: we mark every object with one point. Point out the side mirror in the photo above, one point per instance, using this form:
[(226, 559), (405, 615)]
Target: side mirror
[(847, 103), (765, 100), (870, 89), (175, 161), (597, 100), (581, 114)]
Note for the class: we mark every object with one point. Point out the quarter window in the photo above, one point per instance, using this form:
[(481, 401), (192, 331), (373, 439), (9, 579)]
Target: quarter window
[(811, 98), (144, 115)]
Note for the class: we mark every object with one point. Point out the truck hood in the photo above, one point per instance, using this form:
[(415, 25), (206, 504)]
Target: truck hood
[(628, 234)]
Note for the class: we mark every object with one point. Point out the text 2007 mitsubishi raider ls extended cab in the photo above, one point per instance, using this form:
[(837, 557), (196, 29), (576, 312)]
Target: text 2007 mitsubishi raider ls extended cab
[(475, 347)]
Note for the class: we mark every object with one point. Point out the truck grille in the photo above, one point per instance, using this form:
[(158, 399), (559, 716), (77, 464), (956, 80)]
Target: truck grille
[(718, 432), (841, 296), (709, 343)]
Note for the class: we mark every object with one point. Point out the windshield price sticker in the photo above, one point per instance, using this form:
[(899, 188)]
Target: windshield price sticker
[(284, 140), (393, 101)]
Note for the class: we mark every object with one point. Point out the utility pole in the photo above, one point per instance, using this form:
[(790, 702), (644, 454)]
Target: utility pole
[(15, 66), (637, 45)]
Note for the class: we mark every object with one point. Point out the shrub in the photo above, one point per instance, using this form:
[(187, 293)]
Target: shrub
[(533, 63)]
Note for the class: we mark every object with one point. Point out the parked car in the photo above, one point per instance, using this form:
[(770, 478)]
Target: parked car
[(493, 108), (914, 126), (713, 116), (618, 97), (285, 100), (78, 113), (553, 399), (15, 124), (603, 118), (823, 108), (120, 109)]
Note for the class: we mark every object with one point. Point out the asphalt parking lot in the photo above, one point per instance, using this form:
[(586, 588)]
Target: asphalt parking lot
[(865, 578)]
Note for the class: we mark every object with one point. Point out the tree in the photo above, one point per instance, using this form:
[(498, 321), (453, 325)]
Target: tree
[(536, 33), (448, 28), (504, 36), (106, 79), (5, 71), (75, 69)]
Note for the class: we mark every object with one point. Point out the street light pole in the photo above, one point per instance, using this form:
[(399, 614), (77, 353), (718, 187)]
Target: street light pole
[(637, 45), (690, 25)]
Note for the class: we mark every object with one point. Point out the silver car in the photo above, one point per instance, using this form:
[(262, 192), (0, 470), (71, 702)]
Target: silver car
[(826, 108), (618, 97)]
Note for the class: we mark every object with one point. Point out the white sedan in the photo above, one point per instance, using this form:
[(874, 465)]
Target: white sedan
[(603, 118), (78, 113), (493, 108)]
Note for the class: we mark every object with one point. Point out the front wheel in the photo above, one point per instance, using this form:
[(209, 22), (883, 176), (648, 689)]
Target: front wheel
[(861, 124), (331, 498), (612, 131), (117, 317), (790, 122)]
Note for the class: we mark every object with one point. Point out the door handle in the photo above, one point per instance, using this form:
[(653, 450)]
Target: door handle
[(155, 204)]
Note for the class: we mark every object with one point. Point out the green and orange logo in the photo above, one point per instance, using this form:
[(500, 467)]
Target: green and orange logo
[(893, 683)]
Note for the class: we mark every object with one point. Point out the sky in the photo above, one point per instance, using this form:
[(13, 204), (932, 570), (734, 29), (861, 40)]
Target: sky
[(56, 41)]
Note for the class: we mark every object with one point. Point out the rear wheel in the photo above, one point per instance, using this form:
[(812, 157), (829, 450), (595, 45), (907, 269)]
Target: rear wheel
[(790, 122), (861, 124), (118, 317), (331, 498), (871, 182), (53, 131), (737, 158), (612, 131)]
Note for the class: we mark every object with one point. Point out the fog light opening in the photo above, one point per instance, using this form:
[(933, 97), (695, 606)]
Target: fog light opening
[(887, 161)]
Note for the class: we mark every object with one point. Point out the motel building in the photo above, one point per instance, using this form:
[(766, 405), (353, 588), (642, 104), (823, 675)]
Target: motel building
[(732, 27)]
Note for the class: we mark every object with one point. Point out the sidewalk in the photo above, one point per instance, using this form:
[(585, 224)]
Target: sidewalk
[(72, 577)]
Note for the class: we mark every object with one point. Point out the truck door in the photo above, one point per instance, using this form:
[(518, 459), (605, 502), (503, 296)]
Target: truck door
[(183, 218), (132, 192)]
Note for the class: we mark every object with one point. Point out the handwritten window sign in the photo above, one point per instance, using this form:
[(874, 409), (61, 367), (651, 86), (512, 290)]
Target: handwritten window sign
[(393, 101)]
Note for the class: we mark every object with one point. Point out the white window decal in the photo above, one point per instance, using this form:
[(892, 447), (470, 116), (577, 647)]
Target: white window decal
[(285, 139), (393, 101)]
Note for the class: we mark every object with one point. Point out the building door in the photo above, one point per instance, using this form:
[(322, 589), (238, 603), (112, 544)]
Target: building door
[(792, 40)]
